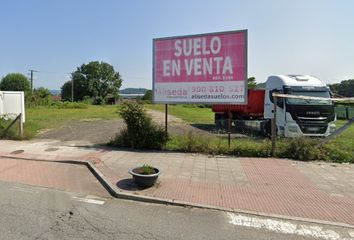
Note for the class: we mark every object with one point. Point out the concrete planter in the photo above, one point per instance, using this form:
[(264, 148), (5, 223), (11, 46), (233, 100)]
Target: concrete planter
[(144, 180)]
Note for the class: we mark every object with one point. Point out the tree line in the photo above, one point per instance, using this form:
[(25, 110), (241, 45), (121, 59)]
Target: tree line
[(94, 82), (98, 81), (343, 89)]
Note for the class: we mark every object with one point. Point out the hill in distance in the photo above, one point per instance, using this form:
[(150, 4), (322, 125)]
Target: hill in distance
[(55, 92), (133, 91)]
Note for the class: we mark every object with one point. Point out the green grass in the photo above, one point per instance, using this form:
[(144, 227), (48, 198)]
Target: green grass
[(189, 113), (48, 118), (340, 149), (247, 147)]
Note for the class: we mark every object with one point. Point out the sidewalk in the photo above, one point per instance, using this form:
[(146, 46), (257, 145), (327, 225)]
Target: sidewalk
[(321, 191)]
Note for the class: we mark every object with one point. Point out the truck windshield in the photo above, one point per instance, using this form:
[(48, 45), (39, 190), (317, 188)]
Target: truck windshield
[(294, 101)]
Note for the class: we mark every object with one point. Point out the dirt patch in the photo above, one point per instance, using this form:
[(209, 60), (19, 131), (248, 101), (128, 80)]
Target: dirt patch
[(175, 126), (97, 131)]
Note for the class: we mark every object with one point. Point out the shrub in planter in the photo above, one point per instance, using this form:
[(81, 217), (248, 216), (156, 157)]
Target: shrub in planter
[(141, 132), (145, 176)]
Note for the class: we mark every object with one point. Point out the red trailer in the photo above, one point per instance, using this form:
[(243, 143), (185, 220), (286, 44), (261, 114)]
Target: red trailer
[(252, 110)]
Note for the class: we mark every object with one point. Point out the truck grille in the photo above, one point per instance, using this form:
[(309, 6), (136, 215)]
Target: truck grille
[(312, 119), (313, 128)]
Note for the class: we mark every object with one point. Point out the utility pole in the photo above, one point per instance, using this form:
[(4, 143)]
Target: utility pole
[(32, 71), (72, 89)]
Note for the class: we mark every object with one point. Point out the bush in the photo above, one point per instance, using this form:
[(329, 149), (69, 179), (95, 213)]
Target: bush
[(189, 143), (39, 97), (333, 153), (141, 132), (69, 105), (301, 148), (10, 134), (98, 100), (216, 145), (147, 96), (87, 100)]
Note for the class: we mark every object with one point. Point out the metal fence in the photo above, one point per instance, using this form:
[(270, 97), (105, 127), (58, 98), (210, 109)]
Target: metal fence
[(344, 112)]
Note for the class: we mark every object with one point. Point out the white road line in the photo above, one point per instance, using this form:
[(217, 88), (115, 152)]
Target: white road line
[(279, 226), (89, 200)]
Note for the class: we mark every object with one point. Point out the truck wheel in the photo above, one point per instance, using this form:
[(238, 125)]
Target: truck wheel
[(220, 120), (267, 130)]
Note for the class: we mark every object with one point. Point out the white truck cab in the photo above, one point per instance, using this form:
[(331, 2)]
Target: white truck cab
[(300, 117)]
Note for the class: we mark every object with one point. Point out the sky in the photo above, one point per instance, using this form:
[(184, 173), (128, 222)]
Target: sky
[(55, 37)]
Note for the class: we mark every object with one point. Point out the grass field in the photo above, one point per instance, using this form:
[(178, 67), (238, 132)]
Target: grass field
[(189, 113), (343, 145), (47, 118), (340, 149)]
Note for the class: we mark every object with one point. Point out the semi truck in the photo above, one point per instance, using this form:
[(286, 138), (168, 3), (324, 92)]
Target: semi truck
[(294, 117)]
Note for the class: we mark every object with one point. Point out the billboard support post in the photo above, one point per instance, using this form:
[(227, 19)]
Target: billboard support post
[(229, 127), (274, 125), (21, 125), (166, 112), (19, 118)]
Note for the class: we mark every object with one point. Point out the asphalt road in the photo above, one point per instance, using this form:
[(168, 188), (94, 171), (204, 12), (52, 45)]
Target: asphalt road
[(29, 212)]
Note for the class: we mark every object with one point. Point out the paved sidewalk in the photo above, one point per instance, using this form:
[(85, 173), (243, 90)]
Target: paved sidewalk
[(317, 190), (67, 177)]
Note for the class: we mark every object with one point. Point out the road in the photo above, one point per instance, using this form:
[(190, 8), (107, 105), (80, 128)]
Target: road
[(30, 212)]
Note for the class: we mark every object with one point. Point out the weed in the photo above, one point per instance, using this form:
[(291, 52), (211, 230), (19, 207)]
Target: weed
[(147, 169)]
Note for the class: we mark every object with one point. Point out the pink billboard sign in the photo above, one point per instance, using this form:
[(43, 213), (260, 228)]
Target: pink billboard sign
[(206, 68)]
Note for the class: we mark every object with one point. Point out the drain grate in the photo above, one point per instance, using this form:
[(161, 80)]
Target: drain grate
[(17, 151), (51, 149)]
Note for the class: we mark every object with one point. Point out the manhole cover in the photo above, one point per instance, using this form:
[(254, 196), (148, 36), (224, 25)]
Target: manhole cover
[(51, 149), (17, 151)]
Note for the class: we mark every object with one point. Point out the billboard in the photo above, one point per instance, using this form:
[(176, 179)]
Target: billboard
[(203, 68)]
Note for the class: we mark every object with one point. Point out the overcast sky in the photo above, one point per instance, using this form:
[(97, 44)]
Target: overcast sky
[(284, 37)]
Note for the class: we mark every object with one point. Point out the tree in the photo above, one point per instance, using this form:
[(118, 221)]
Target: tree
[(251, 82), (147, 96), (15, 82), (42, 92), (39, 97), (66, 91), (344, 88), (95, 80)]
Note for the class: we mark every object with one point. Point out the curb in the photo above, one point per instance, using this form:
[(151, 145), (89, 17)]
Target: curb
[(117, 193)]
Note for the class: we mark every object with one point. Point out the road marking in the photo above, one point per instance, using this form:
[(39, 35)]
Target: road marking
[(89, 200), (283, 227)]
